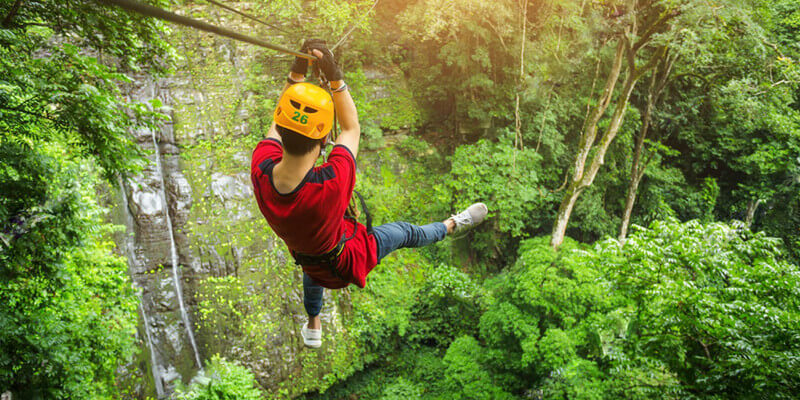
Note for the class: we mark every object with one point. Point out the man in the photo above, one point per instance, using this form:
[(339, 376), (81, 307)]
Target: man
[(305, 205)]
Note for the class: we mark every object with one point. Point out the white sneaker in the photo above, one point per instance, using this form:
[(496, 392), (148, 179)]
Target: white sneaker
[(473, 215), (311, 337)]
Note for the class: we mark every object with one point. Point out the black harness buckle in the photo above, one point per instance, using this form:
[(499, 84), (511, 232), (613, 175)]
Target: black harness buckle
[(327, 258)]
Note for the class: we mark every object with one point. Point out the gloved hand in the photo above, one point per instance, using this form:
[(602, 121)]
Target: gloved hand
[(300, 65), (327, 64)]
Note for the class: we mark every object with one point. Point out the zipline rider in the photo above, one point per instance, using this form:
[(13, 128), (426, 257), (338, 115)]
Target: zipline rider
[(305, 205)]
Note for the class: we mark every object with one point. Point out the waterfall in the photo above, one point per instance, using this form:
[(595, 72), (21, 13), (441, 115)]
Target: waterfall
[(156, 369), (174, 253), (153, 364)]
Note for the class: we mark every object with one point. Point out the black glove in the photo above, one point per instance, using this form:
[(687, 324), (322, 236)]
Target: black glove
[(300, 65), (327, 64)]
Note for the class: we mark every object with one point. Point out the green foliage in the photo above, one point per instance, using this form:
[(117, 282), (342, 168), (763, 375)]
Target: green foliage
[(509, 181), (382, 105), (229, 311), (327, 19), (446, 293), (465, 375), (438, 64), (386, 103), (68, 310), (53, 90), (398, 182), (686, 310), (733, 115), (384, 306), (725, 304), (674, 300), (223, 380), (402, 389), (709, 195)]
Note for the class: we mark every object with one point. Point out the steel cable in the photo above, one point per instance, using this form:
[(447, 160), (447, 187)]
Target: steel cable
[(248, 16), (155, 12)]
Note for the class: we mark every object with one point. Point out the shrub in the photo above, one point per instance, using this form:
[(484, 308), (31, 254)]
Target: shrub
[(509, 181), (682, 309), (224, 380)]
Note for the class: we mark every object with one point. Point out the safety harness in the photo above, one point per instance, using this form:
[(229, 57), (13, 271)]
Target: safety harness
[(330, 258)]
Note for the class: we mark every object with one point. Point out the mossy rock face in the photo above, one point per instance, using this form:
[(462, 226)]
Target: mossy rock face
[(239, 284)]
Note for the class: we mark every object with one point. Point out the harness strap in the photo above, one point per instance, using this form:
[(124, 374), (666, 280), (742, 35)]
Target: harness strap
[(328, 258), (331, 257), (366, 211), (319, 259)]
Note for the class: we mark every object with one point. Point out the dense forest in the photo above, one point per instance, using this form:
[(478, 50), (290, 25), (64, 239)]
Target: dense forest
[(640, 160)]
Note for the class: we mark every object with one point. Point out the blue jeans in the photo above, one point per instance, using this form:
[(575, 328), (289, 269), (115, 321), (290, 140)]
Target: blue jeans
[(388, 238)]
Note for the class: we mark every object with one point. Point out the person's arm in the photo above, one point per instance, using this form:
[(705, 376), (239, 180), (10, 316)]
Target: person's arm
[(348, 118), (342, 101)]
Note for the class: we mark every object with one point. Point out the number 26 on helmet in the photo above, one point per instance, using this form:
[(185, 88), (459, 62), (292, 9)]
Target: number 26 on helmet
[(306, 109)]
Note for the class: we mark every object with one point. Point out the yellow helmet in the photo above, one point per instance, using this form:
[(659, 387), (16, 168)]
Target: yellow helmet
[(306, 109)]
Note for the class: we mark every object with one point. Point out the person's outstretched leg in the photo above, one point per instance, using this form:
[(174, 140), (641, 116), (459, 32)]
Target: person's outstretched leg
[(398, 235), (312, 300)]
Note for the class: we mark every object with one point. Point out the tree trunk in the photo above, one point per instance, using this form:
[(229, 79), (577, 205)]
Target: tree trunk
[(588, 137), (582, 177), (11, 14), (626, 53), (517, 120), (637, 170), (658, 81), (562, 220), (630, 199), (752, 206)]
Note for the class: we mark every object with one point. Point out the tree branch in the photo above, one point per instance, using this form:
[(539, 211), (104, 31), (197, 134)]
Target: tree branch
[(665, 72), (645, 38), (594, 84), (654, 60), (611, 82), (563, 185), (609, 134), (589, 130), (630, 55), (640, 172), (497, 32), (692, 74), (11, 14)]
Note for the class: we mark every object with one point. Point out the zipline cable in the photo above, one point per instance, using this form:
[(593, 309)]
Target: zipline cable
[(248, 16), (155, 12), (356, 25)]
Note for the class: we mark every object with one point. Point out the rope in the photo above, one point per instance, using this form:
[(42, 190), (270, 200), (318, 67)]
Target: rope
[(248, 16), (360, 20), (155, 12)]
